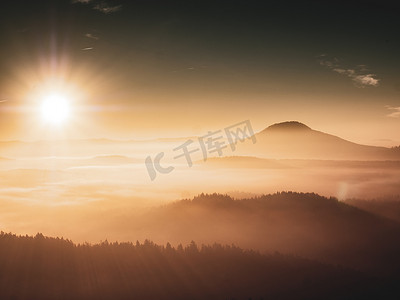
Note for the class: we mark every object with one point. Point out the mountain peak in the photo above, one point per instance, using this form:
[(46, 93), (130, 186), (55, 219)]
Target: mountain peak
[(288, 126)]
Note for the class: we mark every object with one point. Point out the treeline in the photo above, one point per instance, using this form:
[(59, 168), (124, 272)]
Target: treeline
[(282, 199), (54, 268)]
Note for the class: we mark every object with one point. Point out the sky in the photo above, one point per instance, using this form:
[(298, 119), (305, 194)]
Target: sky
[(145, 69)]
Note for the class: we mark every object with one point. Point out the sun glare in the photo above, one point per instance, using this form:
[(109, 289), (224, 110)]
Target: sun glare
[(55, 109)]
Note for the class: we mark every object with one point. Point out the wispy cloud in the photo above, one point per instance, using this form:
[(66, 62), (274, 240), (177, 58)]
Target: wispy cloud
[(359, 74), (395, 111), (81, 1), (101, 6), (107, 9), (91, 36)]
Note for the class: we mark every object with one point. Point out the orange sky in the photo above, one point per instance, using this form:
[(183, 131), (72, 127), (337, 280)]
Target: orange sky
[(182, 72)]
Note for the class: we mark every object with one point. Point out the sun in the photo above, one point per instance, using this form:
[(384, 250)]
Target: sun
[(55, 109)]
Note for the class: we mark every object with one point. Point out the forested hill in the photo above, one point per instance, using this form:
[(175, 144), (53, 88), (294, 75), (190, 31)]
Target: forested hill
[(52, 268), (304, 224)]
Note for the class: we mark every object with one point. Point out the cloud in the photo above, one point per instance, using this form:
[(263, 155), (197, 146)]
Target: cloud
[(395, 111), (91, 36), (87, 48), (81, 1), (101, 6), (359, 75), (107, 9), (365, 80)]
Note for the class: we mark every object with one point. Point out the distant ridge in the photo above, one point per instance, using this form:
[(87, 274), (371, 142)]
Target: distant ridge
[(295, 140), (289, 125)]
